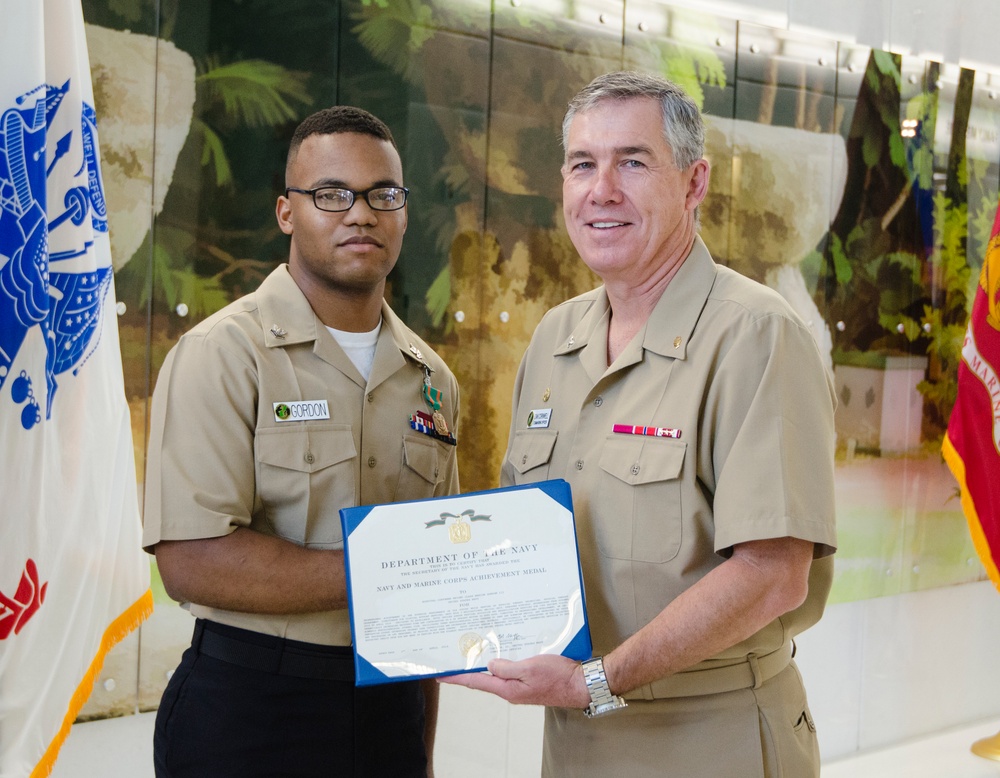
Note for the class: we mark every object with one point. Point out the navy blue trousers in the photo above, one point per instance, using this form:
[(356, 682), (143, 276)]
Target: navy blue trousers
[(219, 719)]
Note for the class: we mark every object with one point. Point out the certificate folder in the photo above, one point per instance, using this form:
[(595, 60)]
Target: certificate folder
[(442, 586)]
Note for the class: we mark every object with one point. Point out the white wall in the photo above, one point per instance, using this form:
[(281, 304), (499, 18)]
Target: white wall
[(889, 669)]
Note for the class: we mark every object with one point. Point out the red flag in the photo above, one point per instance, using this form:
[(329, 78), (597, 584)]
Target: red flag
[(972, 444)]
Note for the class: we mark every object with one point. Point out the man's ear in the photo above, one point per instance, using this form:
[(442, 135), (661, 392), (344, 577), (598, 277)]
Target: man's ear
[(700, 172), (283, 211)]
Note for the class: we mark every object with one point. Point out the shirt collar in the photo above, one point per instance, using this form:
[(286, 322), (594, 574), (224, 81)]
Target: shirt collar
[(672, 320), (285, 314), (676, 313), (287, 318), (397, 346)]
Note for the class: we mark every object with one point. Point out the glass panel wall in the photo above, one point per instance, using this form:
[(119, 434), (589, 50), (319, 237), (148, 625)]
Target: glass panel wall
[(858, 183)]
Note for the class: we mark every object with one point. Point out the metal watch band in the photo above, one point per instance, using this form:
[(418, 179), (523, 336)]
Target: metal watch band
[(601, 699)]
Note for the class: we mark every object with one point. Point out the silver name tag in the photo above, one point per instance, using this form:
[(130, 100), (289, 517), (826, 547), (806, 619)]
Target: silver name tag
[(539, 418)]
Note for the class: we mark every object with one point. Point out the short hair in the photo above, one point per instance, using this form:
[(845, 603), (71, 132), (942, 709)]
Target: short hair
[(683, 128), (336, 119)]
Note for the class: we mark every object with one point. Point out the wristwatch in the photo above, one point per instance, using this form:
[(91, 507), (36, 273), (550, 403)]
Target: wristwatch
[(601, 699)]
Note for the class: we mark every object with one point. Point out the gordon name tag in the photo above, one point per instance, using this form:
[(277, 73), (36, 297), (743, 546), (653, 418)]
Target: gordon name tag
[(301, 410), (539, 418)]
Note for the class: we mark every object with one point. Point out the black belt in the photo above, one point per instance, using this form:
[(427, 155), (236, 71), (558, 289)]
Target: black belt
[(271, 654)]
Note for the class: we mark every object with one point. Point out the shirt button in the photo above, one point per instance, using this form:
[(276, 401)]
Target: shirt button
[(635, 469), (598, 402), (371, 397), (524, 459), (579, 464), (310, 458), (371, 461)]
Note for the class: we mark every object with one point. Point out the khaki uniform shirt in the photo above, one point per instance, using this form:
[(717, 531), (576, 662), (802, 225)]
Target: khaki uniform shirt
[(725, 363), (220, 459)]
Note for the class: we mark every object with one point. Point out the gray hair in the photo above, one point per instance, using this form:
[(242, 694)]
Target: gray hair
[(682, 125)]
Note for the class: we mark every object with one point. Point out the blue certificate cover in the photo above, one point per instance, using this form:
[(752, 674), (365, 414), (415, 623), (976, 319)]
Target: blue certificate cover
[(442, 586)]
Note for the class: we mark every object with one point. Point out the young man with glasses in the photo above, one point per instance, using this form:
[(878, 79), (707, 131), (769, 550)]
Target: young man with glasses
[(268, 418)]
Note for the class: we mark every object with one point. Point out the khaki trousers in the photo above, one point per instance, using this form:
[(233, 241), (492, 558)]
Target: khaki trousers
[(766, 732)]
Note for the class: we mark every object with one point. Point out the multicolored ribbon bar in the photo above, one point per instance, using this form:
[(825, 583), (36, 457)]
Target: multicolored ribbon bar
[(656, 432)]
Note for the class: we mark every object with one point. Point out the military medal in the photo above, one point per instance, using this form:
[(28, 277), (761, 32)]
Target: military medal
[(439, 423), (433, 423)]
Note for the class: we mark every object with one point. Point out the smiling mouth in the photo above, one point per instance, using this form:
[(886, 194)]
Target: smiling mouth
[(607, 225)]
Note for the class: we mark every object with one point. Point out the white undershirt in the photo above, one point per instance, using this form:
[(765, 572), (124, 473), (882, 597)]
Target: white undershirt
[(359, 346)]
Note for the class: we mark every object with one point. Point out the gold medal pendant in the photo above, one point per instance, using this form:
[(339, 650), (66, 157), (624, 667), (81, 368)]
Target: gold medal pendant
[(439, 423)]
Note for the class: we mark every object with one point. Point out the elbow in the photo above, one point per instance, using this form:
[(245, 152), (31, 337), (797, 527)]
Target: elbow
[(792, 588), (793, 594), (791, 580), (170, 560)]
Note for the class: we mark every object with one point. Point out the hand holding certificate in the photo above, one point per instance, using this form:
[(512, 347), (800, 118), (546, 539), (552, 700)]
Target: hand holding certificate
[(442, 586)]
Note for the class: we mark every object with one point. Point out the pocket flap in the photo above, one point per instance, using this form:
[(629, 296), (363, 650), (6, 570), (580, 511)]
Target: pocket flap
[(421, 456), (642, 460), (305, 450), (531, 448)]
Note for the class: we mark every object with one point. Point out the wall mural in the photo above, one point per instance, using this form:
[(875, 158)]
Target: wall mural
[(858, 183)]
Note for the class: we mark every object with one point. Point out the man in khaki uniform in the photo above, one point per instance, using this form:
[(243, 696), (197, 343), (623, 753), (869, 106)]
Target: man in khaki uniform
[(268, 418), (691, 413)]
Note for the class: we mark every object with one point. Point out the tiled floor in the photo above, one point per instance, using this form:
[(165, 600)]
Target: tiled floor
[(122, 748)]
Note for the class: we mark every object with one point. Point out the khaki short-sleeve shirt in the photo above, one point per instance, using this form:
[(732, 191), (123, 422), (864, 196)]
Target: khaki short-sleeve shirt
[(734, 383), (221, 456)]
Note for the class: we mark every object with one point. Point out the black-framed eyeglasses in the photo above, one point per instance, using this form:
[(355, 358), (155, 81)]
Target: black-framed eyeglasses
[(336, 198)]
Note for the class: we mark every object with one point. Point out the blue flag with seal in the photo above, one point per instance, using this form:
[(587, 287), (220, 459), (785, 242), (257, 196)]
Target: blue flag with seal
[(73, 577)]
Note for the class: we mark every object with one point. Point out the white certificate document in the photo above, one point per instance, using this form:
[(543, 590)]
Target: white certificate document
[(442, 586)]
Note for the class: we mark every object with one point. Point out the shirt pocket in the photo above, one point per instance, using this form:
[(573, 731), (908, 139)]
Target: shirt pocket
[(423, 468), (305, 476), (530, 454), (637, 504)]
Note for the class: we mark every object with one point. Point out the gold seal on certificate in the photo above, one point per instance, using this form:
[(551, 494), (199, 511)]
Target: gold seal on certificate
[(442, 586), (470, 645), (460, 531)]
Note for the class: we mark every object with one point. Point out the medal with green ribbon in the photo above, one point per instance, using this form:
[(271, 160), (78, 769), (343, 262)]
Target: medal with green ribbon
[(433, 397)]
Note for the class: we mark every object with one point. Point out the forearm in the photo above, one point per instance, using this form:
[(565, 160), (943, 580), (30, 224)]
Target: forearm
[(759, 583), (251, 572)]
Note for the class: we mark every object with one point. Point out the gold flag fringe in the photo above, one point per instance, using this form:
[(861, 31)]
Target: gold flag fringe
[(957, 466), (119, 629)]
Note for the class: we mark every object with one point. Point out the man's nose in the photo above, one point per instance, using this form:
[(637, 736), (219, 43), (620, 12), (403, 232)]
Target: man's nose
[(360, 212), (607, 186)]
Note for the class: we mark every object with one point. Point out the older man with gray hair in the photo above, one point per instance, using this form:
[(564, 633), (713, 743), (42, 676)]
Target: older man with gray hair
[(693, 417)]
